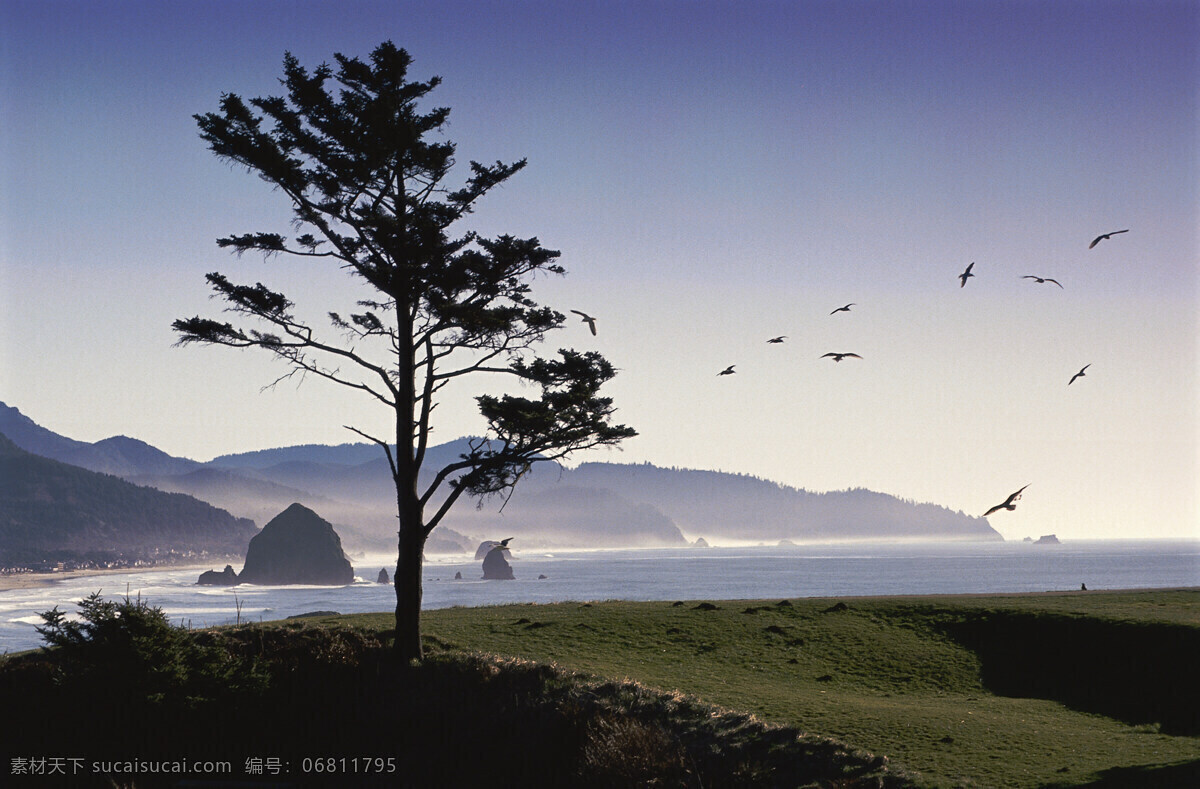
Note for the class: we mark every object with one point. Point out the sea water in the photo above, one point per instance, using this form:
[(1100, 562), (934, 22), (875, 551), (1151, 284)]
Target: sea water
[(718, 573)]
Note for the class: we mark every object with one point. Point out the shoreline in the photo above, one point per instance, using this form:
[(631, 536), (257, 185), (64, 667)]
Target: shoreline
[(1043, 593), (14, 581), (19, 581)]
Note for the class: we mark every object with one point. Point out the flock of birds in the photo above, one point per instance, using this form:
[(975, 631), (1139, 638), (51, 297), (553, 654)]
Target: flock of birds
[(1009, 504)]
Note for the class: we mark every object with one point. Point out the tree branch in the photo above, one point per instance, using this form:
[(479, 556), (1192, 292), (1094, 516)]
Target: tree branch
[(432, 522), (387, 448)]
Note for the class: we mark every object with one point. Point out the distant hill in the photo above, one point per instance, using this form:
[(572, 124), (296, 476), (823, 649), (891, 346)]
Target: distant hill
[(32, 437), (593, 505), (565, 515), (247, 495), (712, 503), (343, 454), (283, 461), (52, 509), (542, 513), (119, 455)]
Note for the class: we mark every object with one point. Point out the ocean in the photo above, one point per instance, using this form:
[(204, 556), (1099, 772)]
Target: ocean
[(717, 573)]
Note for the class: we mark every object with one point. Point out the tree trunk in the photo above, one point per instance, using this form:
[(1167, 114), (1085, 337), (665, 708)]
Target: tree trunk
[(411, 538), (408, 592), (409, 560)]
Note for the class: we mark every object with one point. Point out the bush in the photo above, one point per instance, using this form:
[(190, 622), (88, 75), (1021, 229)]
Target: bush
[(130, 650)]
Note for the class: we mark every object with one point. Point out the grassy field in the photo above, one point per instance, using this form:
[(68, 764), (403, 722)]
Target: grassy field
[(1054, 690)]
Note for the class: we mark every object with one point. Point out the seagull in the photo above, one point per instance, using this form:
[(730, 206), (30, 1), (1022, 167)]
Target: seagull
[(844, 309), (1105, 236), (491, 545), (1078, 374), (588, 319), (837, 357), (1042, 280), (778, 339), (728, 370), (499, 546), (1009, 503), (963, 276)]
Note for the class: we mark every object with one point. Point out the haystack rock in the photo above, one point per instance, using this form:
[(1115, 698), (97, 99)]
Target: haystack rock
[(496, 567), (226, 577), (298, 546), (383, 576)]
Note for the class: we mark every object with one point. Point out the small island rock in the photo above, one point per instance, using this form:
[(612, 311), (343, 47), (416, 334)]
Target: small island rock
[(700, 543), (1048, 539), (496, 567), (383, 576), (298, 546), (227, 577)]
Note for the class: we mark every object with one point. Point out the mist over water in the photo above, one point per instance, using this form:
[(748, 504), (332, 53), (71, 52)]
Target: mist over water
[(718, 573)]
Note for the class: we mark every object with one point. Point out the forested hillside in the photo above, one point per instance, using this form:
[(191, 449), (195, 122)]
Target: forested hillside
[(51, 511)]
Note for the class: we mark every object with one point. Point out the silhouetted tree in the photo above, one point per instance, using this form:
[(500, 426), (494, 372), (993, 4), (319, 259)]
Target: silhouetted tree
[(369, 193)]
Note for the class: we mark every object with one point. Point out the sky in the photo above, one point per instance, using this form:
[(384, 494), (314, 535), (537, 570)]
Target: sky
[(715, 173)]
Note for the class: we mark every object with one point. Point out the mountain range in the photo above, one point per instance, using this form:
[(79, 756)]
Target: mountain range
[(55, 512), (602, 505)]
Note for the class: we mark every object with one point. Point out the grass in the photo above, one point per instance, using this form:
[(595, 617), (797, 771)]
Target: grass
[(1049, 691), (1021, 691), (297, 691)]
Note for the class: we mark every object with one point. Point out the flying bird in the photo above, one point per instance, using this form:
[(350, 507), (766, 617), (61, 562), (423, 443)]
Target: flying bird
[(1105, 237), (1009, 504), (837, 357), (1042, 280), (963, 276), (487, 546), (778, 339), (728, 370), (588, 319), (844, 309), (1078, 374)]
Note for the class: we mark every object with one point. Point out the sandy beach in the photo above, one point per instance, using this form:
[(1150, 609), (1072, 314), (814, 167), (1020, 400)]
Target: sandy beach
[(11, 581)]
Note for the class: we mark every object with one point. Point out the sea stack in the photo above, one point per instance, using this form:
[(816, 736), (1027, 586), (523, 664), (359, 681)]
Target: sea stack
[(496, 567), (226, 577), (383, 576), (298, 546)]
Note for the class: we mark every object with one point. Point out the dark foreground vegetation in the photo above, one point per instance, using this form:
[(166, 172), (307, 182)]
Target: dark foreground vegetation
[(327, 706), (1047, 691)]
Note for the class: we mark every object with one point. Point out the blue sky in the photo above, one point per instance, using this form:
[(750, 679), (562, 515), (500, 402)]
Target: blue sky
[(715, 174)]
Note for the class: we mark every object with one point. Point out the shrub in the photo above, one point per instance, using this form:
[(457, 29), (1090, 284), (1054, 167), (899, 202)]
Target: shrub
[(129, 649)]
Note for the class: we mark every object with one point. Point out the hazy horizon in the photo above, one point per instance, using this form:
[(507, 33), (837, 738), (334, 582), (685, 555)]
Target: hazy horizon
[(716, 174)]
